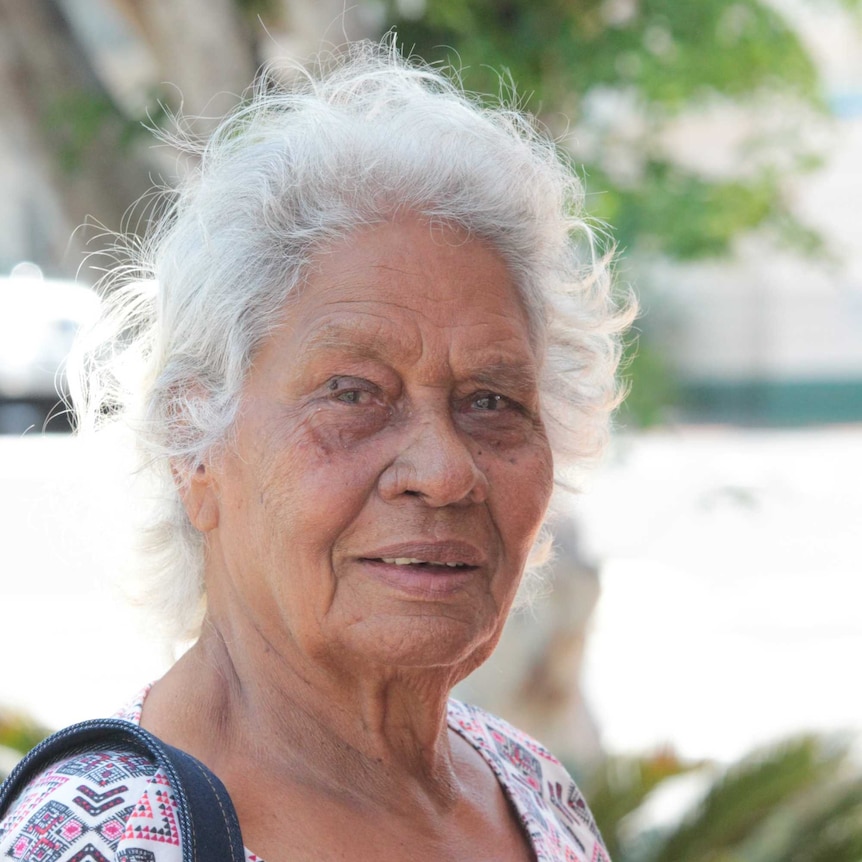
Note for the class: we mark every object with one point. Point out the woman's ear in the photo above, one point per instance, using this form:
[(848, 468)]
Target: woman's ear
[(198, 492)]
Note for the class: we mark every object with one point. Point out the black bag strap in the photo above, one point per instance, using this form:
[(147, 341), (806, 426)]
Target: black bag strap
[(209, 827)]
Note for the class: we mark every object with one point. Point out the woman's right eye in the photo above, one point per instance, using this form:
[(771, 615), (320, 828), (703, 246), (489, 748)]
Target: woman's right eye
[(351, 390), (350, 396), (350, 409)]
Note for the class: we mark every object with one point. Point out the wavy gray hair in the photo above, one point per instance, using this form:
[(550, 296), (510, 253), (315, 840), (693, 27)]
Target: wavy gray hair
[(295, 169)]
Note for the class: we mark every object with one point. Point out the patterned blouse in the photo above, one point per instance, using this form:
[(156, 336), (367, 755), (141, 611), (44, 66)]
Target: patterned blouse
[(113, 806)]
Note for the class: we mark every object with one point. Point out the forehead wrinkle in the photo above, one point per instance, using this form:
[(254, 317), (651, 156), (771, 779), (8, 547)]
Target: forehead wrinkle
[(357, 328), (352, 337), (421, 283)]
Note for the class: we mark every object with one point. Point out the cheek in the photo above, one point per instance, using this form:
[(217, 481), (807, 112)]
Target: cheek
[(521, 484), (318, 484), (273, 488)]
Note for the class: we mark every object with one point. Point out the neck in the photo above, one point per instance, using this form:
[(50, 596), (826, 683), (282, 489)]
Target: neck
[(379, 735)]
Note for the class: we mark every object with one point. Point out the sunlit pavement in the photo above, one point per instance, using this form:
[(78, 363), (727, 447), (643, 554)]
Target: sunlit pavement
[(731, 608), (731, 611)]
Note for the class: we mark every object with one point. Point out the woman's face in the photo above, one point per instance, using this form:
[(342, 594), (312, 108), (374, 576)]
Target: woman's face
[(390, 470)]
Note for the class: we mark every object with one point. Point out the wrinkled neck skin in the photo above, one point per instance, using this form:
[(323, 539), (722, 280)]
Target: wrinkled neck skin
[(374, 735)]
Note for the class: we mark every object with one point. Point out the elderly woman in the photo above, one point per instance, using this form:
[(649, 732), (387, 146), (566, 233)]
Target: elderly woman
[(370, 323)]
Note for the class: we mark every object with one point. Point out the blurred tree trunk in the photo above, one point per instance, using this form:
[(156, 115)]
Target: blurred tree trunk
[(73, 147), (202, 47), (63, 128), (74, 156)]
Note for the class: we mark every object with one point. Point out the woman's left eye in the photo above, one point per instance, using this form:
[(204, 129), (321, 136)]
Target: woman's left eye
[(491, 401)]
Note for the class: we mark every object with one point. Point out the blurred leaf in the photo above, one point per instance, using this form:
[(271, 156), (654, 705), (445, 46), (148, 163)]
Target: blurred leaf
[(621, 784), (652, 383), (683, 215), (830, 830), (749, 794), (559, 50), (797, 801), (77, 119), (266, 9), (19, 732)]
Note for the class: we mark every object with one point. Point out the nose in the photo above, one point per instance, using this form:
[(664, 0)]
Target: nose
[(437, 464)]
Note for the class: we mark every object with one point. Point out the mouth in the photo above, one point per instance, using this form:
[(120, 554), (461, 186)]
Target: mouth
[(440, 555), (430, 570)]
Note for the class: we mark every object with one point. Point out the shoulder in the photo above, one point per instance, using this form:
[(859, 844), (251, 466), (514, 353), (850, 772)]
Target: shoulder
[(523, 758), (551, 805), (101, 805)]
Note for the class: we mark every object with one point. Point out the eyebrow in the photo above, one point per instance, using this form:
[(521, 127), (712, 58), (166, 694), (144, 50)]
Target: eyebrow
[(521, 376)]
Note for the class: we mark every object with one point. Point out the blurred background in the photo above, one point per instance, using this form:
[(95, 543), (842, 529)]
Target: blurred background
[(691, 654)]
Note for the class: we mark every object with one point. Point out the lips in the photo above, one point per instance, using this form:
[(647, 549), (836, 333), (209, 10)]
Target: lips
[(426, 570)]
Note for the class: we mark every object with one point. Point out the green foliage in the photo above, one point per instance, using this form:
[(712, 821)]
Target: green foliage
[(76, 119), (682, 214), (687, 216), (652, 384), (73, 122), (674, 52), (621, 786), (19, 732), (853, 6), (265, 9), (745, 797), (668, 56), (798, 801)]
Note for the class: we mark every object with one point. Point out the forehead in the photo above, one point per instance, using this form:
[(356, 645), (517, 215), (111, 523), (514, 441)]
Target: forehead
[(408, 274)]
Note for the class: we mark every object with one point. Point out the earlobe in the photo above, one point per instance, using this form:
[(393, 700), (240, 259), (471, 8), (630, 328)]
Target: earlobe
[(198, 494)]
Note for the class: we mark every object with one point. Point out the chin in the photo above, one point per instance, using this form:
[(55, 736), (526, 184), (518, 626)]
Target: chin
[(437, 643)]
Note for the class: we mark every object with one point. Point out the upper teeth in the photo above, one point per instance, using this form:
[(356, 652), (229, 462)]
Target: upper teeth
[(412, 561)]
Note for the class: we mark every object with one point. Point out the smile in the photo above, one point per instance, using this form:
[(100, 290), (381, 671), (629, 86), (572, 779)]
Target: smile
[(412, 561)]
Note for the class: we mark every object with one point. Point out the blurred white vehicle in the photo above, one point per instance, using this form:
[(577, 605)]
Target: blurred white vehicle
[(39, 318)]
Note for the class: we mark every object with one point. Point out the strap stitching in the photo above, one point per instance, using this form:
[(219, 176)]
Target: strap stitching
[(206, 775)]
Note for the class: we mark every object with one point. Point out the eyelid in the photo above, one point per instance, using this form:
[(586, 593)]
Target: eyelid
[(349, 382), (513, 387), (339, 386)]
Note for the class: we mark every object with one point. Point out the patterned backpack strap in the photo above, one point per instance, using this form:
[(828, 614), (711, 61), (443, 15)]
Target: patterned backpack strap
[(208, 823)]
